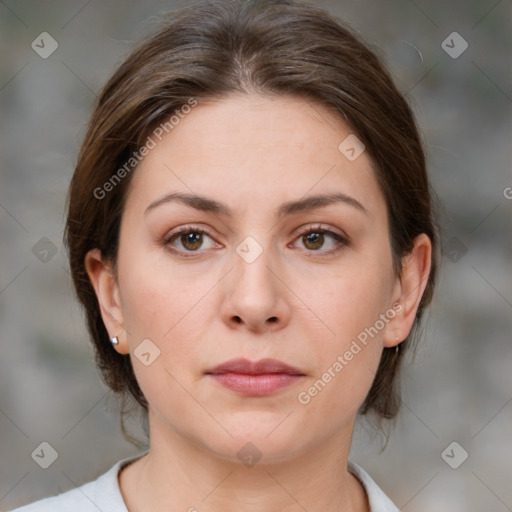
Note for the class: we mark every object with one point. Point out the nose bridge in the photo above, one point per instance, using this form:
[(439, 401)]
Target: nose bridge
[(255, 296), (252, 262)]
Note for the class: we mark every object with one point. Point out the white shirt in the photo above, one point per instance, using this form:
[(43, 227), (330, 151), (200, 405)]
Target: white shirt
[(104, 494)]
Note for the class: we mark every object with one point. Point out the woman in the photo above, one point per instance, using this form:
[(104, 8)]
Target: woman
[(250, 232)]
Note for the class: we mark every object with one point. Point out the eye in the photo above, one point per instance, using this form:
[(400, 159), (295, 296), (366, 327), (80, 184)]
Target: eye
[(188, 239), (315, 238)]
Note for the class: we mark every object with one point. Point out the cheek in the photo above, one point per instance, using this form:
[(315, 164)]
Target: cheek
[(346, 364), (155, 295), (167, 305), (158, 306), (353, 299), (351, 305)]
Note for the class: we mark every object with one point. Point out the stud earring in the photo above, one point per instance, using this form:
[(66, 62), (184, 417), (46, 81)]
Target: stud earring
[(114, 340)]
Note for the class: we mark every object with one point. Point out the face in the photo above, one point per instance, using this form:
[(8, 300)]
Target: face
[(267, 274)]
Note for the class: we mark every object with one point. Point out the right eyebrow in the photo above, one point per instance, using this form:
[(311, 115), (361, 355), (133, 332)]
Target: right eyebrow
[(204, 204)]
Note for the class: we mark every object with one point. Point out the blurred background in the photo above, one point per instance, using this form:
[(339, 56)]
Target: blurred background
[(451, 447)]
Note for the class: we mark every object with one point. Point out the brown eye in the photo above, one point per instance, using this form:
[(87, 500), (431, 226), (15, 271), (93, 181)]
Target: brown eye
[(321, 240), (192, 240), (189, 240), (313, 241)]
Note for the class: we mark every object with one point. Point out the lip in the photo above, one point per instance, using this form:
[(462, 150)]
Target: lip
[(263, 366), (258, 378)]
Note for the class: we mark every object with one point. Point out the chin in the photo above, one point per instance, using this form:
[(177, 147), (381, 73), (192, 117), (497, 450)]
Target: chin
[(261, 437)]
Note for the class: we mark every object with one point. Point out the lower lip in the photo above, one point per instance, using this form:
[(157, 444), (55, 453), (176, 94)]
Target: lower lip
[(255, 385)]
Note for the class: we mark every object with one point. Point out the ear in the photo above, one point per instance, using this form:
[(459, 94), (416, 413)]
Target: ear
[(408, 290), (105, 285)]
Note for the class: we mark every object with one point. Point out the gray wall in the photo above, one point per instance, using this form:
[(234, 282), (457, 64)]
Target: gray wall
[(458, 389)]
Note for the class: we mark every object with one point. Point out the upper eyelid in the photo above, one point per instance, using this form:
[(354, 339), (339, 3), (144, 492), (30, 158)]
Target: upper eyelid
[(319, 227), (185, 229), (301, 231)]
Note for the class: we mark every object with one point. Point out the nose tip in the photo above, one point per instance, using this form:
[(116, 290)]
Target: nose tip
[(254, 297)]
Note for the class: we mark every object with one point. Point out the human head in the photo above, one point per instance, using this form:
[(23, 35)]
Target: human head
[(210, 51)]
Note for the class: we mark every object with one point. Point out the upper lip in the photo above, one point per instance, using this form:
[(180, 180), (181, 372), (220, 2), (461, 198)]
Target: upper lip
[(263, 366)]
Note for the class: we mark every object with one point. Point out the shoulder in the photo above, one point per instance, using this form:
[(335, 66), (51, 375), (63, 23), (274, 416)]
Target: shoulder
[(379, 502), (75, 499), (100, 494)]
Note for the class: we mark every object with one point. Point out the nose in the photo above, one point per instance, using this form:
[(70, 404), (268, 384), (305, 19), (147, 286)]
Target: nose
[(256, 298)]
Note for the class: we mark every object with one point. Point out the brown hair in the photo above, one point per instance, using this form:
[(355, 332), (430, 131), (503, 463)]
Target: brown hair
[(210, 50)]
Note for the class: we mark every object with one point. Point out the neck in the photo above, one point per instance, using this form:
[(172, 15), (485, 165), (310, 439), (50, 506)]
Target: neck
[(180, 474)]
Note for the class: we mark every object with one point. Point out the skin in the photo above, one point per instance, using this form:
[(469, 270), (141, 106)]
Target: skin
[(298, 302)]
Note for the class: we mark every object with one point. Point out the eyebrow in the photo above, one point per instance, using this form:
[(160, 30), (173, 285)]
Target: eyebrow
[(206, 204)]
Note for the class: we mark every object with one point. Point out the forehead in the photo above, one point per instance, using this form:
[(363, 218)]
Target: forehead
[(255, 148)]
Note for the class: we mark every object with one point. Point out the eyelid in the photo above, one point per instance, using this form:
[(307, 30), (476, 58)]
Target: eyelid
[(320, 227), (186, 229)]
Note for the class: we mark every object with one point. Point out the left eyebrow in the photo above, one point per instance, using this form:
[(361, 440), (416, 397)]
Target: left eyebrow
[(318, 201), (288, 208)]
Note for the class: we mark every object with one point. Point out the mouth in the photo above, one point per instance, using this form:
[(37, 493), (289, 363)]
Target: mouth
[(258, 378)]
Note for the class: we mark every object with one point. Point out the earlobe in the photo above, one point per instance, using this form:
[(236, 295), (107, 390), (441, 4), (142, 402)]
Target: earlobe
[(106, 288), (409, 290)]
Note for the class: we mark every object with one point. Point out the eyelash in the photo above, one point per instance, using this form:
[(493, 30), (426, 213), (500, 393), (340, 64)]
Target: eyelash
[(318, 229)]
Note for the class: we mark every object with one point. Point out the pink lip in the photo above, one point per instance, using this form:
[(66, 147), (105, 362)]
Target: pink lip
[(255, 378), (263, 366)]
